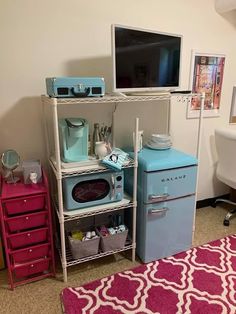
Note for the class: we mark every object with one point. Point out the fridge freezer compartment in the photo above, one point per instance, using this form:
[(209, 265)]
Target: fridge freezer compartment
[(169, 184), (165, 228)]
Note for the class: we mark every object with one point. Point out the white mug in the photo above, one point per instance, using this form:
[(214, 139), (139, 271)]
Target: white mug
[(100, 149)]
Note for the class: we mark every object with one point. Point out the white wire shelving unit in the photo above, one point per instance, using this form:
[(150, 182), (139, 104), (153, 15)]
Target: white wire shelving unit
[(59, 172)]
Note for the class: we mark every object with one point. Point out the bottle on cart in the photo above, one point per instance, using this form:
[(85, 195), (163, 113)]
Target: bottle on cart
[(96, 136), (89, 146)]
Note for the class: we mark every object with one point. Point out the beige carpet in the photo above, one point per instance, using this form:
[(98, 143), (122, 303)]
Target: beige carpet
[(43, 296)]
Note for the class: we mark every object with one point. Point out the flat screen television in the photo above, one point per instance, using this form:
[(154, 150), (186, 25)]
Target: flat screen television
[(145, 60)]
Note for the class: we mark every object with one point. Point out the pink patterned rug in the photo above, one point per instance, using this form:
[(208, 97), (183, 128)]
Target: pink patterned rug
[(199, 281)]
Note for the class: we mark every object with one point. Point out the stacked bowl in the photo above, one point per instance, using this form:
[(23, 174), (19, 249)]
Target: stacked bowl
[(159, 141)]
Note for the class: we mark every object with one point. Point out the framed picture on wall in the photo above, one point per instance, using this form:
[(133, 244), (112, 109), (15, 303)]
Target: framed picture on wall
[(206, 75)]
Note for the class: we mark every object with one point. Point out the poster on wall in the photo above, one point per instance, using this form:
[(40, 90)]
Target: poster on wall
[(207, 72)]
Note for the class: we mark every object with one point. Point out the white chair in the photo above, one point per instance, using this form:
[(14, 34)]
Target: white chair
[(225, 140)]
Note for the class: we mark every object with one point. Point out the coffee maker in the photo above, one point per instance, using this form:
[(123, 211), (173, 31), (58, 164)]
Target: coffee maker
[(73, 139)]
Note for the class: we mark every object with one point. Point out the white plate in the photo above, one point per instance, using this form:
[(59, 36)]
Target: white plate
[(158, 147), (161, 143), (160, 137)]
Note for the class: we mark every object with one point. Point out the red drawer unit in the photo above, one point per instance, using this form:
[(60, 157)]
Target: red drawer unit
[(32, 268), (24, 205), (31, 253), (24, 239), (26, 222)]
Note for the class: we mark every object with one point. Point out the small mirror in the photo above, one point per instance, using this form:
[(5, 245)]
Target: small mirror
[(10, 161)]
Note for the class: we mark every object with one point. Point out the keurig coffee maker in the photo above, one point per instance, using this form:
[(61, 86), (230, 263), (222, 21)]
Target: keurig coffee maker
[(73, 139)]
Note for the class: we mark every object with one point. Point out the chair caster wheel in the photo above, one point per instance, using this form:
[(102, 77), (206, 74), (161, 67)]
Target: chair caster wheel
[(213, 205), (226, 223)]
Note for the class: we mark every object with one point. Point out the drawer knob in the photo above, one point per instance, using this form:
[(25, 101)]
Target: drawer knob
[(30, 250), (25, 201), (32, 265), (28, 234), (27, 218)]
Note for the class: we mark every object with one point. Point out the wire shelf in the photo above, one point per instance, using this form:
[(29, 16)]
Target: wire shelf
[(68, 172), (104, 99), (95, 210), (114, 99), (70, 261)]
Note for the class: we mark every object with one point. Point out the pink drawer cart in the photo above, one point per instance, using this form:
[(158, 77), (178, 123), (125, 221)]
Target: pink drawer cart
[(26, 222)]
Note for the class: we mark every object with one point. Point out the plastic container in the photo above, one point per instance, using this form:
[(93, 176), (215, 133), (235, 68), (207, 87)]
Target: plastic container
[(31, 253), (25, 270), (80, 249), (113, 242), (24, 239), (24, 205), (24, 222)]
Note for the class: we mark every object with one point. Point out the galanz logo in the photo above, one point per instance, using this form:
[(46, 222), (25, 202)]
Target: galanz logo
[(174, 178)]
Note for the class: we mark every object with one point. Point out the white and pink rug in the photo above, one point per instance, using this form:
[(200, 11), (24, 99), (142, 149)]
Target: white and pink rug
[(199, 281)]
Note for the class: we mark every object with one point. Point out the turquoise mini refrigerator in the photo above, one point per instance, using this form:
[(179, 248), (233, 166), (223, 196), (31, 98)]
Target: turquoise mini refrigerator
[(166, 202)]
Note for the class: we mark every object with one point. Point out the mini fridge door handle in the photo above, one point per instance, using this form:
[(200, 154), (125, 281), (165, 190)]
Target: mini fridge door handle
[(157, 211), (154, 197)]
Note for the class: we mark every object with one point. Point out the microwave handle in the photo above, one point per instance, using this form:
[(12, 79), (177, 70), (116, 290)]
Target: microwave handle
[(112, 186)]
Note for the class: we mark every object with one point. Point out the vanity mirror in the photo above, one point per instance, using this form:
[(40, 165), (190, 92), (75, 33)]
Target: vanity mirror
[(10, 161)]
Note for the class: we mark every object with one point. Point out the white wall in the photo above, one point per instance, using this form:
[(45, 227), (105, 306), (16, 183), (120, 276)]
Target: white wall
[(73, 38), (223, 6)]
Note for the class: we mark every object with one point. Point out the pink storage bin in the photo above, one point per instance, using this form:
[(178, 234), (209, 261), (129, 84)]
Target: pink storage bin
[(24, 222), (28, 238), (29, 269), (23, 205), (31, 253)]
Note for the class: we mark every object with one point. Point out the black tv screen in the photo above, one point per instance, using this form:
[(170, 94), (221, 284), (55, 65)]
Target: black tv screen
[(145, 60)]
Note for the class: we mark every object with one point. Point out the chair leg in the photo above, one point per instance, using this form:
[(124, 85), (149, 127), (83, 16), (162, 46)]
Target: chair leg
[(228, 216), (230, 213), (224, 201)]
